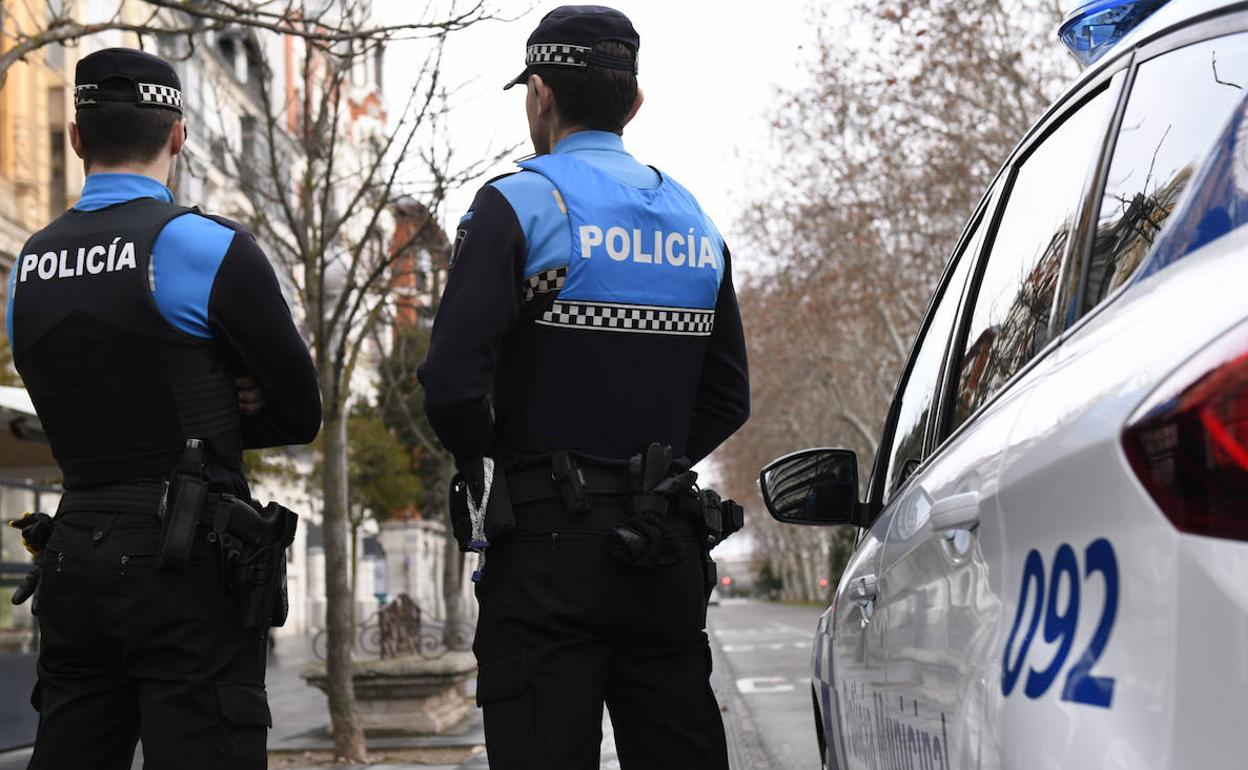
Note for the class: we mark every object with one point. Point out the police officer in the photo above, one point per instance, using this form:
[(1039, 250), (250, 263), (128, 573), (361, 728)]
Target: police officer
[(141, 328), (588, 349)]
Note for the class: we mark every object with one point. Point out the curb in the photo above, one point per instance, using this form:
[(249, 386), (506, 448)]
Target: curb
[(745, 747)]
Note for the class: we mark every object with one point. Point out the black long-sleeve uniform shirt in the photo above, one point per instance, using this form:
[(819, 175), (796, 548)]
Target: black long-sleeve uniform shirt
[(497, 382), (211, 280)]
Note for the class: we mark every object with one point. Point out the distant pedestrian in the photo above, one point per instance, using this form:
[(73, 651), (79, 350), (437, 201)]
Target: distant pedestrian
[(587, 351)]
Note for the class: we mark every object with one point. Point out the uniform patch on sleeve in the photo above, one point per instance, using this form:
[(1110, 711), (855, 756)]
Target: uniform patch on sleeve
[(461, 232)]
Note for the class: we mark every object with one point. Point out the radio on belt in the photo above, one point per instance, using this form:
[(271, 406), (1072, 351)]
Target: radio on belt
[(179, 510)]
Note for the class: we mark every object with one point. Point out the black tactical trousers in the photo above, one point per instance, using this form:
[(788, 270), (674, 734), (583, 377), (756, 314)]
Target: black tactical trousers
[(129, 653), (564, 628)]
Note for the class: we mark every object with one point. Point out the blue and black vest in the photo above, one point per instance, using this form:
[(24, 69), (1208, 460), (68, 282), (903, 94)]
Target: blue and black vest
[(117, 387), (609, 353)]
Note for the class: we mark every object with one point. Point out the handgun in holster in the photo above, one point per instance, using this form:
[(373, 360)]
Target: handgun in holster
[(253, 545), (185, 494), (720, 518)]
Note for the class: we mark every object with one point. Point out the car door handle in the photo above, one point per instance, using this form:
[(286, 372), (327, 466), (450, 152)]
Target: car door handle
[(864, 589), (955, 512)]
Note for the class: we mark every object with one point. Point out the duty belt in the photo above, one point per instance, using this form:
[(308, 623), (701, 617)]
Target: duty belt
[(538, 484), (142, 497), (222, 513), (251, 543)]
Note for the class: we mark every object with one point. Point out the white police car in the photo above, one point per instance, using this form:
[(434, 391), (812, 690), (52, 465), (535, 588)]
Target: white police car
[(1053, 565)]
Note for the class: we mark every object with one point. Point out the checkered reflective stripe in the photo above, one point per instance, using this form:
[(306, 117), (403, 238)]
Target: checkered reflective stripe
[(557, 53), (544, 282), (165, 96), (643, 319), (82, 94)]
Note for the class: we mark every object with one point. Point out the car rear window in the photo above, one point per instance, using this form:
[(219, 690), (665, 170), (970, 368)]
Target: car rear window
[(1217, 203), (1179, 104)]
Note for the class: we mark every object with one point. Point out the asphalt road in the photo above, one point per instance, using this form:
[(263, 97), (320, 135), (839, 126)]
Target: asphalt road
[(765, 654)]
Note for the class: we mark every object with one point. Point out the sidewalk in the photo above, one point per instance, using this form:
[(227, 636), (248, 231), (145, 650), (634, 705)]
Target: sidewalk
[(301, 716)]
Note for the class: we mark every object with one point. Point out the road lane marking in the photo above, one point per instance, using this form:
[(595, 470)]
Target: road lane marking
[(763, 684), (753, 647)]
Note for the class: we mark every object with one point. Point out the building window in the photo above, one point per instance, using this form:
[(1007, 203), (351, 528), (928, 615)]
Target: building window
[(58, 180)]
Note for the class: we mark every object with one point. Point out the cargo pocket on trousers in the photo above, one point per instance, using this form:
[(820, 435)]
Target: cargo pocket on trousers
[(505, 694), (245, 722)]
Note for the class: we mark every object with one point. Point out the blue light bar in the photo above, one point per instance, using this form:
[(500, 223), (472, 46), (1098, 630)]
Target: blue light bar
[(1094, 27)]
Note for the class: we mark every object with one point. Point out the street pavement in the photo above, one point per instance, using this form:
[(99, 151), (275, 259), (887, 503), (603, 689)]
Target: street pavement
[(766, 648), (762, 680)]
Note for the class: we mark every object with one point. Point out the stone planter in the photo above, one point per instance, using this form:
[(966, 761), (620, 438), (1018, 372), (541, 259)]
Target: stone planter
[(410, 695)]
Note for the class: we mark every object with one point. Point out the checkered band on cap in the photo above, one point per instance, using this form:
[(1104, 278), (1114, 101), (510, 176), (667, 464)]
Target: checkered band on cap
[(557, 53), (83, 94), (639, 319), (544, 282), (146, 93), (164, 96)]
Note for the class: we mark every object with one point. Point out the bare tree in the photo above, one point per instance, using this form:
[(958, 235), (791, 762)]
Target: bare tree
[(402, 403), (910, 108), (320, 23), (321, 174)]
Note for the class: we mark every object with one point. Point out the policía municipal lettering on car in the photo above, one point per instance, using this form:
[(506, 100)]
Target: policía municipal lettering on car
[(71, 263), (621, 245)]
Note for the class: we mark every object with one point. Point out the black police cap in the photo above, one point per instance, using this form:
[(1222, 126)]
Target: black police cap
[(127, 76), (566, 37)]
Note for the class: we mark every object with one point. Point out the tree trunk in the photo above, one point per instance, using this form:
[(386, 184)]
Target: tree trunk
[(355, 572), (454, 632), (355, 562), (344, 719)]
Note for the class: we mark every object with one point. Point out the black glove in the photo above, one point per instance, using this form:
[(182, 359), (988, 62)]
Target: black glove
[(36, 529), (28, 586), (644, 542)]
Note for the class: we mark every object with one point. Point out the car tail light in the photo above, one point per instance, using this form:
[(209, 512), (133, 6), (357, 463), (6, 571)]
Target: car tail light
[(1188, 443)]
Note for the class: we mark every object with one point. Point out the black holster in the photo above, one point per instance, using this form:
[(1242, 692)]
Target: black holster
[(499, 517), (461, 520), (570, 481), (720, 518), (253, 547)]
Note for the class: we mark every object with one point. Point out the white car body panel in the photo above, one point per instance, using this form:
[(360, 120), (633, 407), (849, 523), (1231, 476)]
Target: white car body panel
[(918, 675), (1071, 433), (931, 656)]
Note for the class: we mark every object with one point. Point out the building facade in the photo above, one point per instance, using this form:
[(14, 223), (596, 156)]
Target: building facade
[(233, 80)]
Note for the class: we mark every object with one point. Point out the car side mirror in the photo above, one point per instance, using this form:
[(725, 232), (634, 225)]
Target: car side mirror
[(814, 486)]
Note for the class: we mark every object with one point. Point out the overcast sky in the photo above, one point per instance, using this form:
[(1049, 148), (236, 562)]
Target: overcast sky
[(710, 70)]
